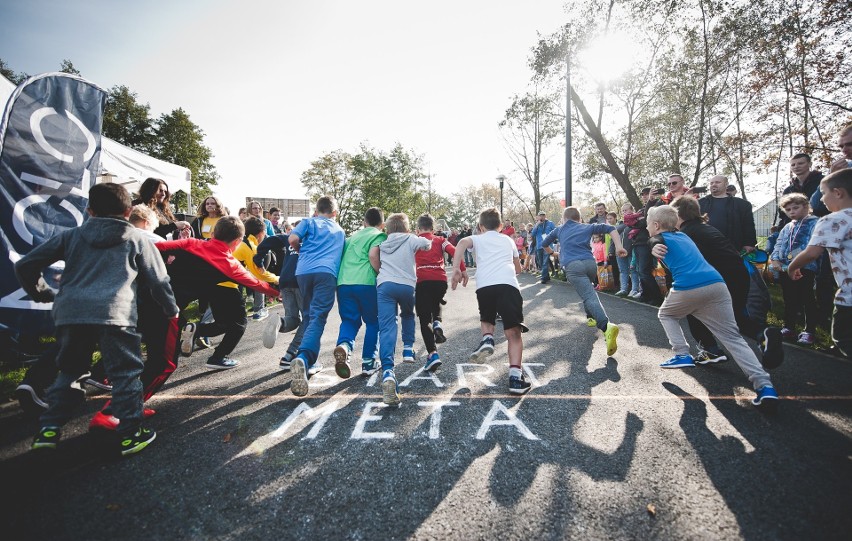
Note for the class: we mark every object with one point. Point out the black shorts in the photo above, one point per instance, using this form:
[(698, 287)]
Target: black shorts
[(501, 299)]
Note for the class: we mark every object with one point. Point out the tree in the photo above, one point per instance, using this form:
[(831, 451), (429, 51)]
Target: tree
[(8, 73), (128, 121), (332, 174), (68, 67), (180, 141), (530, 126)]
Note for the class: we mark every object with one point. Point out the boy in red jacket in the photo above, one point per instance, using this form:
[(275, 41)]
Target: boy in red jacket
[(431, 288)]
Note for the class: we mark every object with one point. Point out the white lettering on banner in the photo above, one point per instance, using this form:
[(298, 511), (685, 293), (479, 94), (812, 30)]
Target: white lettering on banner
[(431, 376), (21, 224), (435, 417), (360, 433), (511, 420), (322, 414), (482, 369), (35, 125)]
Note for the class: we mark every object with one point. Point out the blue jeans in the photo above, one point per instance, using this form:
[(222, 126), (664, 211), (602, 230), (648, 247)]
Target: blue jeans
[(294, 318), (542, 259), (624, 273), (391, 295), (645, 264), (468, 258), (317, 300), (121, 351), (357, 303), (581, 274)]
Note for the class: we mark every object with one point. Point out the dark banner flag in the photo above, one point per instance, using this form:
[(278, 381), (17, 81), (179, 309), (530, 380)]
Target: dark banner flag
[(50, 144)]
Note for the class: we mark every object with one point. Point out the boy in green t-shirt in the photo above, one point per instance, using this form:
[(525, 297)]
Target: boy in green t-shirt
[(356, 294)]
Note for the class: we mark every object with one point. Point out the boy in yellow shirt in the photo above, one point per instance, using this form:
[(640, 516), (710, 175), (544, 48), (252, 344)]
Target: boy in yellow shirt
[(245, 252)]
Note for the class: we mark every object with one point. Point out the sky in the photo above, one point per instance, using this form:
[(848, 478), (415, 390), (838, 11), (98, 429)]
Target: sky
[(276, 84)]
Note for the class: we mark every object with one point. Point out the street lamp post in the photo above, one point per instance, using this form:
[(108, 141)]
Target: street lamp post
[(501, 179)]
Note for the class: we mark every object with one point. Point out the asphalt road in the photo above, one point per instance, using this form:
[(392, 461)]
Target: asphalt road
[(601, 448)]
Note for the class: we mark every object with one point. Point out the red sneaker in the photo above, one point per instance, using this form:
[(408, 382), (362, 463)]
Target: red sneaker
[(148, 412), (103, 422)]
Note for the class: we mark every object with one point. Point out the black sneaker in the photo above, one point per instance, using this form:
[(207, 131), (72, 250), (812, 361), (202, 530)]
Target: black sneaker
[(137, 442), (221, 364), (772, 349), (47, 438), (284, 363), (31, 401), (708, 357), (486, 348), (439, 333), (519, 385)]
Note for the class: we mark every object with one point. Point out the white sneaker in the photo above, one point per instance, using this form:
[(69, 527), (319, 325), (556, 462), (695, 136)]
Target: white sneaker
[(270, 332)]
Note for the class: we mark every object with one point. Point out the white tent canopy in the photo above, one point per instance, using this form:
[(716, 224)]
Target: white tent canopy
[(123, 165)]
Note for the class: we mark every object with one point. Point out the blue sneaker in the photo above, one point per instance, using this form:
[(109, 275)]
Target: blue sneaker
[(679, 361), (519, 385), (486, 348), (433, 362), (299, 376), (765, 396), (369, 367), (390, 389), (408, 354)]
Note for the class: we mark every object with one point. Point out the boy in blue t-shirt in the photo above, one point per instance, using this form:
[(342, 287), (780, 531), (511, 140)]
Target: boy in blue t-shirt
[(698, 289), (319, 241)]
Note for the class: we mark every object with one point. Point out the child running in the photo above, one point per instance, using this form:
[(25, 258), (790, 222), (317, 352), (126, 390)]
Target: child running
[(356, 294), (320, 242), (497, 292), (834, 233), (575, 256), (431, 288), (698, 289), (106, 261), (395, 289)]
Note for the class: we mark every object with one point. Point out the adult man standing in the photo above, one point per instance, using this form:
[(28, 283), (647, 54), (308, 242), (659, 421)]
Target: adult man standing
[(845, 145), (730, 215), (542, 258), (804, 180), (677, 188), (600, 214)]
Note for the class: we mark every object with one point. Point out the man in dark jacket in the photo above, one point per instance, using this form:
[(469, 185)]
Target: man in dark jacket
[(732, 216)]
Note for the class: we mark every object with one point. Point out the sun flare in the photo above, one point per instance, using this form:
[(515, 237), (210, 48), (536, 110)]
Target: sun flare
[(608, 57)]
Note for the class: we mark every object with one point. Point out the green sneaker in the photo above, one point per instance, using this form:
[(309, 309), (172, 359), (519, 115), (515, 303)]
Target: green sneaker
[(611, 335), (47, 438), (137, 442)]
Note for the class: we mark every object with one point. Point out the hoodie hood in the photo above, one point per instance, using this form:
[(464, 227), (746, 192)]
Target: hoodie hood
[(394, 242), (106, 232)]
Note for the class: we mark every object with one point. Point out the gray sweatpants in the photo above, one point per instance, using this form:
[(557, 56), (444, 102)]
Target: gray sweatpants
[(711, 305)]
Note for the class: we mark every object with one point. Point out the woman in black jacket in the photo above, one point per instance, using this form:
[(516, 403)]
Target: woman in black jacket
[(155, 194)]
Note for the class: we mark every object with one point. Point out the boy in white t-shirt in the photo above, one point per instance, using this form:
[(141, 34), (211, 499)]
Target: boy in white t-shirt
[(834, 233), (497, 292)]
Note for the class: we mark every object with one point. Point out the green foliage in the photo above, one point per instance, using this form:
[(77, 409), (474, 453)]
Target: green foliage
[(127, 121), (8, 73), (392, 181), (68, 67), (180, 141)]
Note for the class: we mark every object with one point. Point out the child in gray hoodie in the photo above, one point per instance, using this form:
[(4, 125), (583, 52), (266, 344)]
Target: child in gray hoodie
[(106, 261), (395, 290)]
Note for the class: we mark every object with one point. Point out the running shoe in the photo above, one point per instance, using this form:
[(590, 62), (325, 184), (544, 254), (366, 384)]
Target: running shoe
[(47, 438), (679, 361), (299, 376), (767, 398), (787, 333), (707, 357), (439, 332), (270, 332), (805, 339), (611, 336), (30, 400), (284, 363), (203, 342), (519, 385), (486, 348), (221, 364), (315, 368), (187, 338), (432, 362), (137, 442), (408, 354), (369, 367), (591, 322), (390, 389), (260, 315), (341, 361)]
